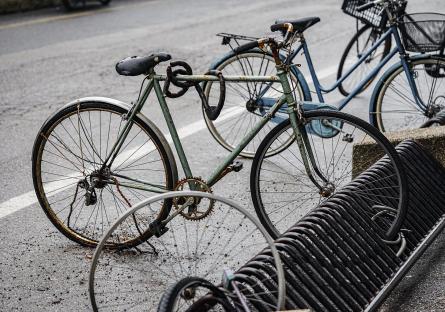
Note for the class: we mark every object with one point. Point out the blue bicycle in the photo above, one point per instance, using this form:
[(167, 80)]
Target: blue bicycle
[(409, 94)]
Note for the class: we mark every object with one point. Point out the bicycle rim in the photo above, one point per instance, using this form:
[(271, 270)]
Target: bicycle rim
[(226, 239), (396, 108), (283, 193), (241, 109), (70, 150), (361, 42)]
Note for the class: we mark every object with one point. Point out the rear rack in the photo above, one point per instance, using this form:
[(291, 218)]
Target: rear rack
[(228, 37)]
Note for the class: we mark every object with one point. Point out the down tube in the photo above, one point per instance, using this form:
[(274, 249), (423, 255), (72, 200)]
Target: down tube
[(214, 177)]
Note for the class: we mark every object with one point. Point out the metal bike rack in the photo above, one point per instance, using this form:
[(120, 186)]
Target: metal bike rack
[(335, 259)]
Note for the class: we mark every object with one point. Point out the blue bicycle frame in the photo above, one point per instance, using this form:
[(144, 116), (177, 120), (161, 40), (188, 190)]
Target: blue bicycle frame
[(265, 102)]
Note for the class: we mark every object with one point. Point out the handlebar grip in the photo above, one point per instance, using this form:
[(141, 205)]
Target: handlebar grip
[(277, 27), (365, 6), (246, 47)]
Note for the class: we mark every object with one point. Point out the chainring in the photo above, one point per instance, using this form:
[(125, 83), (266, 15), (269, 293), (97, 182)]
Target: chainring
[(197, 210)]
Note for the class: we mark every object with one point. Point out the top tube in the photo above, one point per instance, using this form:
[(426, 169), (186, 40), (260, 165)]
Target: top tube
[(215, 78)]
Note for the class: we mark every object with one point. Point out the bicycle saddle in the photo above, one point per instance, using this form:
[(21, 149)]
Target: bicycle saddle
[(299, 25), (138, 65)]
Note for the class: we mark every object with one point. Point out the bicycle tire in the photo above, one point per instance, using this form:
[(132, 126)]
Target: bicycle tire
[(169, 299), (272, 217), (353, 43), (54, 157), (228, 238), (393, 107), (243, 121)]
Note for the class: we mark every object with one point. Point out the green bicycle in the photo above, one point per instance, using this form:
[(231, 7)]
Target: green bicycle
[(94, 157)]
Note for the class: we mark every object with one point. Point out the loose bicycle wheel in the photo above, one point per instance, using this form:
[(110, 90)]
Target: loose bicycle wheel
[(246, 102), (343, 147), (225, 239), (80, 198), (194, 294), (394, 107), (359, 44)]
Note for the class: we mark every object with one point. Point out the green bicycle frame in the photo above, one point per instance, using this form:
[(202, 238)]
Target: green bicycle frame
[(286, 98)]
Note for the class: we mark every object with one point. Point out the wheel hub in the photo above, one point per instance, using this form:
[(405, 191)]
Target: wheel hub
[(327, 190), (251, 105), (189, 293), (99, 178)]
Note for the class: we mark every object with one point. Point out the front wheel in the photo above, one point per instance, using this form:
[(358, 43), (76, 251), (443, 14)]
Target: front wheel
[(359, 44), (394, 106), (343, 147), (81, 198)]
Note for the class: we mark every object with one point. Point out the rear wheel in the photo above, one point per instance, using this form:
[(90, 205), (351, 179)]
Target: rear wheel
[(244, 105), (359, 44), (343, 147), (80, 198)]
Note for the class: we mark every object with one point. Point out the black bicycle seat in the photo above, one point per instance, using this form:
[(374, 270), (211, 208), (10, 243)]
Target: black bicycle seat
[(299, 25), (138, 65)]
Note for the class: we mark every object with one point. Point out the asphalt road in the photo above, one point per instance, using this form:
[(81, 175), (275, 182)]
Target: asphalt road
[(48, 58)]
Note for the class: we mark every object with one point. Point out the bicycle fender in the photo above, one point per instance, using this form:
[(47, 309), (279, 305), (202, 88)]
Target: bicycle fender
[(384, 77), (108, 101), (303, 83), (127, 107)]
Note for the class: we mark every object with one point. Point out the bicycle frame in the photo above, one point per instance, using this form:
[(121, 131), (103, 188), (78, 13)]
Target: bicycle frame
[(391, 31), (286, 100)]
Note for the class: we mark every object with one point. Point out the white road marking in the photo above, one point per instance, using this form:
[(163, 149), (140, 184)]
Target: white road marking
[(22, 201)]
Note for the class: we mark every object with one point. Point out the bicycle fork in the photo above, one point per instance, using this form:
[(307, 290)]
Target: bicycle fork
[(304, 146), (306, 152)]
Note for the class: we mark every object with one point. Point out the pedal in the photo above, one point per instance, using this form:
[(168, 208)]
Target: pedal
[(157, 228), (237, 166)]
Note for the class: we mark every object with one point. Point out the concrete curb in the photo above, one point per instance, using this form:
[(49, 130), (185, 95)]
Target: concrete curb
[(432, 139)]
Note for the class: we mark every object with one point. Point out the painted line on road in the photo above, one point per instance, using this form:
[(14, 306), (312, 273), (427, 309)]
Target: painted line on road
[(46, 20), (22, 201)]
